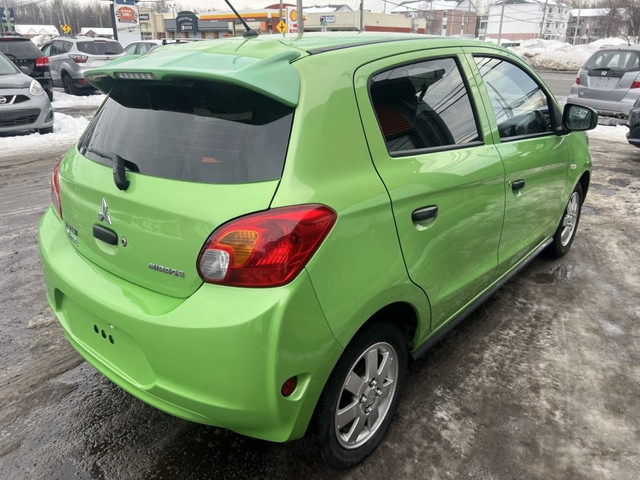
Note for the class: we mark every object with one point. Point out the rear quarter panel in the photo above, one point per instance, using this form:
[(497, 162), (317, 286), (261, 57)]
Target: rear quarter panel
[(359, 269)]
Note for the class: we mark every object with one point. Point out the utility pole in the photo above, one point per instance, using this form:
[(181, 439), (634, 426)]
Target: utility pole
[(362, 15), (575, 32), (300, 19), (544, 14), (501, 17)]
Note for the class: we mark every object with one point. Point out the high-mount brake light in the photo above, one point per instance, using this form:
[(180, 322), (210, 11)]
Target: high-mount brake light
[(265, 249), (55, 189), (135, 76)]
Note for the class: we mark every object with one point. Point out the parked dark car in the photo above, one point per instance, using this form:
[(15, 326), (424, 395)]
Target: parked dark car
[(633, 137), (23, 53)]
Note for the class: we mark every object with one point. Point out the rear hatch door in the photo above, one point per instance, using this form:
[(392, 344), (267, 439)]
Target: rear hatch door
[(197, 154), (609, 74)]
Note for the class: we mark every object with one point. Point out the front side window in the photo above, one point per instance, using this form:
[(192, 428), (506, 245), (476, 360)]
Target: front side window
[(422, 106), (520, 106)]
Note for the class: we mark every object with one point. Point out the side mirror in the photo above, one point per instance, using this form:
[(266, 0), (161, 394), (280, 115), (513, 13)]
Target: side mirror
[(25, 70), (578, 118)]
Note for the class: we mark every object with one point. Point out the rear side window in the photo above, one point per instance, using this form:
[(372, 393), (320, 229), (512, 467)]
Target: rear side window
[(423, 105), (196, 131), (100, 48), (614, 60), (20, 48)]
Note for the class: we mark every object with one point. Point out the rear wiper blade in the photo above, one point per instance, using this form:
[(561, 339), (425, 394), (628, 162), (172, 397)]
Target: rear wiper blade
[(119, 166)]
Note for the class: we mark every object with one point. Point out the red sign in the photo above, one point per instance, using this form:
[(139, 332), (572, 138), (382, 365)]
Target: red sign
[(126, 15)]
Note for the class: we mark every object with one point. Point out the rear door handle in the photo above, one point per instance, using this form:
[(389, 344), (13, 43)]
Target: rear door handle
[(424, 213), (517, 185)]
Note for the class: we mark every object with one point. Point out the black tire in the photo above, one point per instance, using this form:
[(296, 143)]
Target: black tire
[(373, 404), (69, 86), (566, 231), (45, 131)]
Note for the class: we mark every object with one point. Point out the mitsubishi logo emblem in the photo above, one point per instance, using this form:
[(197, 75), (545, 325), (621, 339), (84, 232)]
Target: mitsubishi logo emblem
[(103, 215)]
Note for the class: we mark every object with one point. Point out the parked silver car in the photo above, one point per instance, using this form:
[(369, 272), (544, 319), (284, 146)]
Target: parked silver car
[(69, 57), (609, 81), (23, 102)]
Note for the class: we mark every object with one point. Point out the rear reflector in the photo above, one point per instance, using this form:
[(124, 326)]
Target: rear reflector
[(289, 386), (265, 249), (55, 189)]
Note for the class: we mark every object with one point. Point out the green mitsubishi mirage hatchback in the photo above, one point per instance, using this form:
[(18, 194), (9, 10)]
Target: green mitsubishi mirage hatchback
[(260, 234)]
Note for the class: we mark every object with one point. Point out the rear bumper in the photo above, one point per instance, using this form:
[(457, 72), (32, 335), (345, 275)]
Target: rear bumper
[(619, 109), (218, 357)]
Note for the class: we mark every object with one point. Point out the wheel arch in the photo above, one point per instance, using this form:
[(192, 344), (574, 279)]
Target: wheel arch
[(584, 181)]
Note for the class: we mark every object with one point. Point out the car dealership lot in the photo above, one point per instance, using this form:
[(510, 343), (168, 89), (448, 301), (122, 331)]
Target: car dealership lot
[(543, 381)]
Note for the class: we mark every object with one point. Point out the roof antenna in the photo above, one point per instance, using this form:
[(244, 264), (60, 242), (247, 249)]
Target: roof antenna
[(249, 32)]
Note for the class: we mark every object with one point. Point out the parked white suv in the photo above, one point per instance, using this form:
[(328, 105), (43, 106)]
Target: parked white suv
[(69, 57)]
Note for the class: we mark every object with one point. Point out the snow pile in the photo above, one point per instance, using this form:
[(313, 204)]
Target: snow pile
[(66, 131), (64, 100), (615, 133), (556, 55)]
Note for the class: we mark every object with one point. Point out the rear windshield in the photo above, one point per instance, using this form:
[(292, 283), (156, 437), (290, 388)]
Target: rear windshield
[(614, 60), (20, 48), (100, 48), (195, 131)]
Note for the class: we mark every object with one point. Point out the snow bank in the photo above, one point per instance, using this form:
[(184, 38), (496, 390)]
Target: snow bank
[(615, 133), (556, 55), (64, 100), (66, 131)]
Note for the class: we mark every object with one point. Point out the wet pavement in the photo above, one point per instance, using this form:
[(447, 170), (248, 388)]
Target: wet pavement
[(542, 382)]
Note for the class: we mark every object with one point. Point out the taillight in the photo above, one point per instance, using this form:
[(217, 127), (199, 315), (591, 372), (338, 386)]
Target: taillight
[(79, 58), (577, 80), (635, 84), (55, 189), (42, 62), (265, 249)]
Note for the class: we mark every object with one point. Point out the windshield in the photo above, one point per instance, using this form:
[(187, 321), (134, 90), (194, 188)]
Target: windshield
[(6, 66), (100, 48), (191, 130)]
